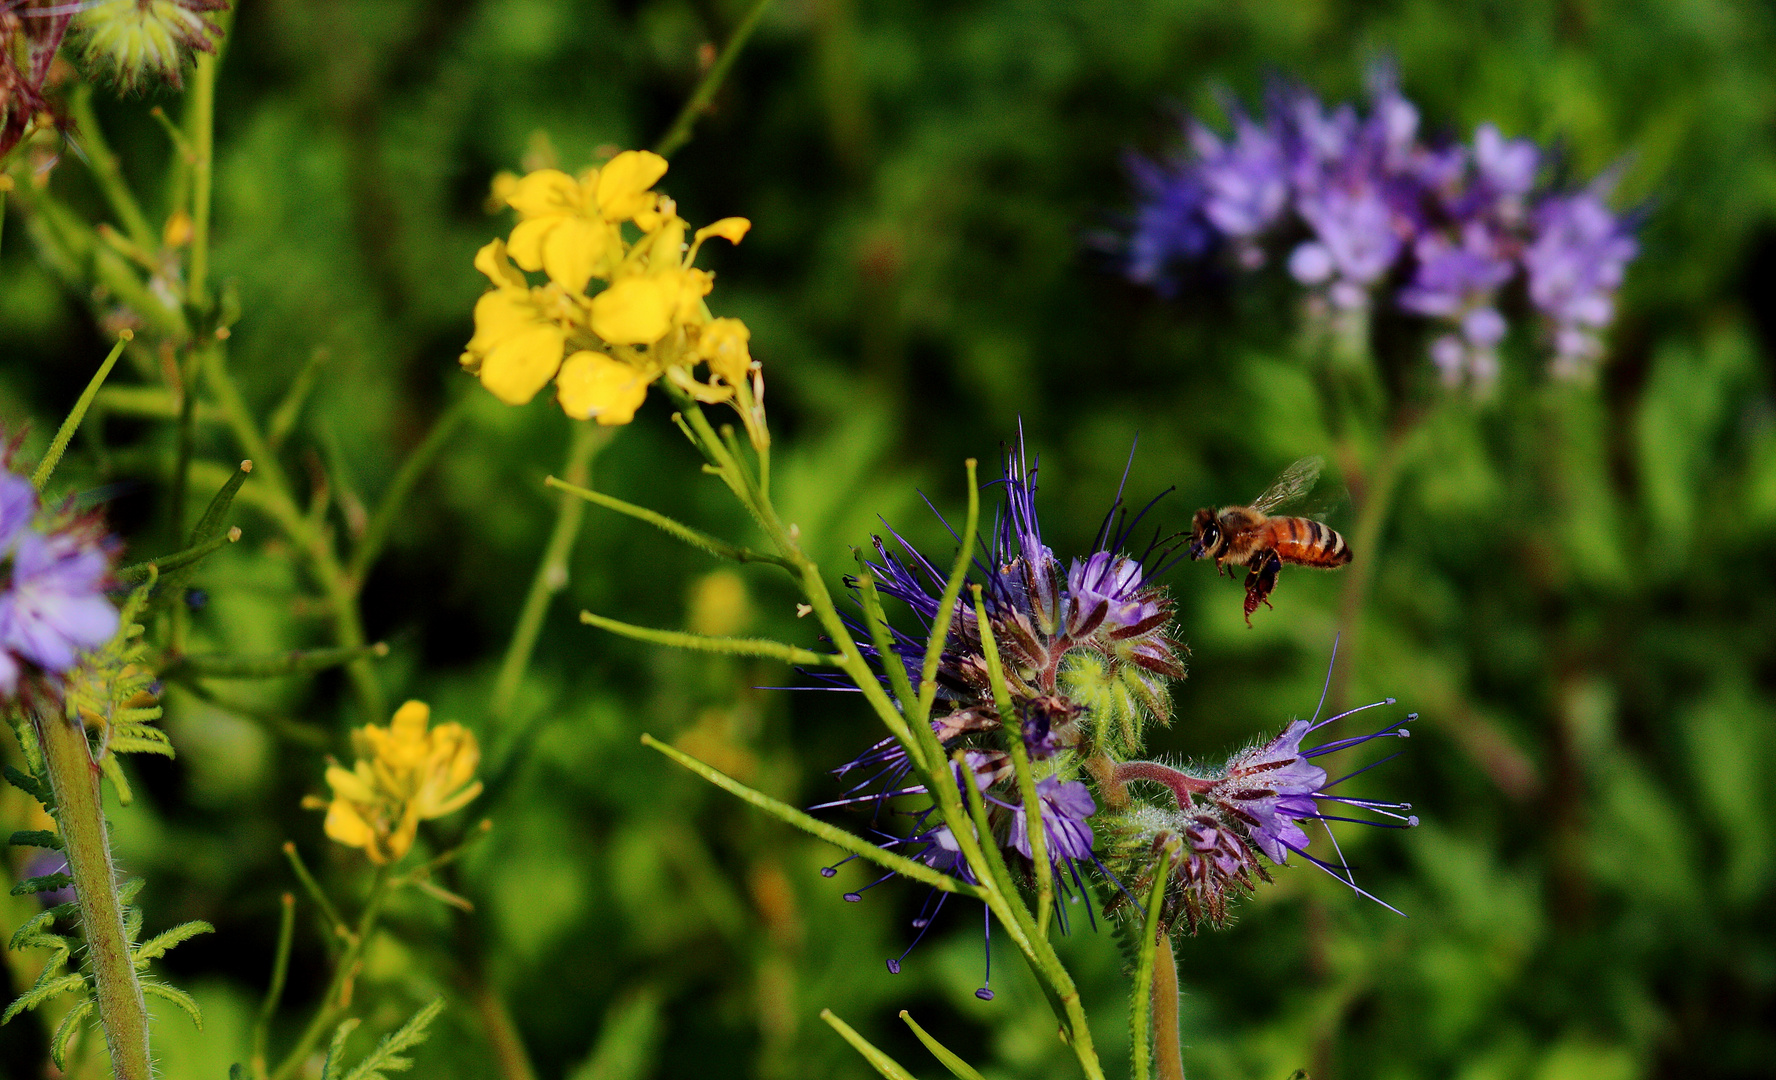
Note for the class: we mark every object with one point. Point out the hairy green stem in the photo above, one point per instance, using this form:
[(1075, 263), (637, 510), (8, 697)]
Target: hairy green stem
[(680, 131), (1036, 836), (336, 1000), (1143, 991), (80, 813), (1168, 1049), (551, 573)]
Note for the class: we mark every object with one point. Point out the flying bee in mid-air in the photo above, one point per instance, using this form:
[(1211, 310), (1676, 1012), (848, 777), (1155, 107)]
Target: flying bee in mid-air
[(1248, 536)]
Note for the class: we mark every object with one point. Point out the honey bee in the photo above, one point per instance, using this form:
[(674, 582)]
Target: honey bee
[(1248, 536)]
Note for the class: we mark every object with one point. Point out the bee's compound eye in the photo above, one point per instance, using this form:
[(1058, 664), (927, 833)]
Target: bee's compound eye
[(1211, 536)]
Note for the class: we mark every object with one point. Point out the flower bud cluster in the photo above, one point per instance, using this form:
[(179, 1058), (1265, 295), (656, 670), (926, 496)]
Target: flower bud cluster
[(1362, 208), (603, 347)]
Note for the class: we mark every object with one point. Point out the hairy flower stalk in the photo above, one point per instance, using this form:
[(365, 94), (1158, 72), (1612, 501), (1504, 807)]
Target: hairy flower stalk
[(80, 817)]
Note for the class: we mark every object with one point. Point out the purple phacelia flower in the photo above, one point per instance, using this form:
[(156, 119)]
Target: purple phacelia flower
[(1375, 217), (1576, 262), (52, 603), (1103, 606), (1066, 804)]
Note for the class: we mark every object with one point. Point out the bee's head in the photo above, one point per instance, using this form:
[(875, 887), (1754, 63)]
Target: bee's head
[(1205, 535)]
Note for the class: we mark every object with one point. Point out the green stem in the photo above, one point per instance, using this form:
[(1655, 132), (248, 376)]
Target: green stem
[(1143, 990), (200, 123), (280, 968), (81, 815), (1168, 1049), (551, 573), (105, 171), (1372, 515), (338, 587), (388, 511), (335, 1002), (1036, 835), (680, 131)]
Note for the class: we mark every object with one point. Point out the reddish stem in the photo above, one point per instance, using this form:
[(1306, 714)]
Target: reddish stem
[(1183, 785)]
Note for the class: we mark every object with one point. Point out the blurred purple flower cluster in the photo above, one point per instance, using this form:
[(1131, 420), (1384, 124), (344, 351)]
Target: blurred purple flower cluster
[(52, 581), (1363, 205)]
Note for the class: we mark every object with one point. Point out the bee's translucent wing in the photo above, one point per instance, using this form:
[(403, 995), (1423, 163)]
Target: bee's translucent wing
[(1297, 480)]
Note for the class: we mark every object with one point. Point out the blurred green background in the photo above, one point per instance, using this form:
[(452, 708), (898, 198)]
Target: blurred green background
[(1576, 587)]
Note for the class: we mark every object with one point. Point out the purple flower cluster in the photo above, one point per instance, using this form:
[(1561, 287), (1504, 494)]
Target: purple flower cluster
[(52, 581), (1363, 206)]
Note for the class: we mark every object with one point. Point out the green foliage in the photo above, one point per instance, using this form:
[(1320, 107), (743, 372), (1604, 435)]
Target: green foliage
[(386, 1058)]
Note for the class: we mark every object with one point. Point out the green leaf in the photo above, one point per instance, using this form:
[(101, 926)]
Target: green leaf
[(177, 997), (330, 1068), (960, 1069), (386, 1057), (773, 650), (833, 835), (884, 1064), (45, 989), (46, 883), (172, 583), (60, 443), (67, 1029), (43, 838), (694, 537), (158, 945), (27, 784)]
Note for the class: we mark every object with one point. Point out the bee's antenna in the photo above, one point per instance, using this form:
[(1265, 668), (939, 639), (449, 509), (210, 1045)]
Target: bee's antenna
[(1326, 688)]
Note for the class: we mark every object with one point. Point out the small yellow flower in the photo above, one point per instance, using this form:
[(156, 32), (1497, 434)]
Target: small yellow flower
[(723, 345), (570, 227), (594, 386), (405, 773), (519, 332)]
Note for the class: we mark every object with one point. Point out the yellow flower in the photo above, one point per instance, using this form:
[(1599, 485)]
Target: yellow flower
[(594, 386), (570, 227), (518, 338), (723, 345), (404, 774)]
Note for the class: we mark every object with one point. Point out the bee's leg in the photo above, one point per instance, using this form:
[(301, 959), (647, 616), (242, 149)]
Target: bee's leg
[(1260, 580)]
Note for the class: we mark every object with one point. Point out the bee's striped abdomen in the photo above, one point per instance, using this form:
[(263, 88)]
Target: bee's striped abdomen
[(1306, 542)]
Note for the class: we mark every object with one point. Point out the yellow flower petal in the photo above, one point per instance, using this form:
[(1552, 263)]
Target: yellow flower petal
[(499, 315), (624, 181), (348, 785), (520, 365), (491, 260), (595, 386), (572, 251), (409, 723), (636, 311), (527, 239), (723, 344), (730, 229), (347, 826), (547, 191)]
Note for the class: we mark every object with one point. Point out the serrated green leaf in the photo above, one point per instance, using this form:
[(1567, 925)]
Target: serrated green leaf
[(130, 889), (178, 997), (158, 945), (386, 1057), (35, 926), (66, 1030), (42, 838), (133, 744), (114, 773), (42, 992), (24, 783), (330, 1068), (45, 883)]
